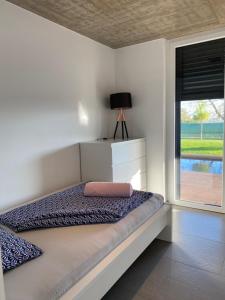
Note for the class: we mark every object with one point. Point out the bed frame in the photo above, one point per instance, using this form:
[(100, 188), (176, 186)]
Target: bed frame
[(95, 284)]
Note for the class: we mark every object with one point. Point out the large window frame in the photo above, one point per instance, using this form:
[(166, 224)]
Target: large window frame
[(171, 112)]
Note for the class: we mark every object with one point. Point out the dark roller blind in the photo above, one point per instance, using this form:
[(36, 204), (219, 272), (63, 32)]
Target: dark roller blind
[(200, 71)]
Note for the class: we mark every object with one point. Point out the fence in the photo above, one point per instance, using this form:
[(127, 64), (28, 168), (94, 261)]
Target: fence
[(212, 131)]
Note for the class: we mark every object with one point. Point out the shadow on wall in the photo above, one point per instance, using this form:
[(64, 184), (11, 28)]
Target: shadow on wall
[(59, 169)]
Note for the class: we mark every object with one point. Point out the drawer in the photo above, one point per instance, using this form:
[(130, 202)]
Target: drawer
[(138, 180), (129, 169), (124, 152)]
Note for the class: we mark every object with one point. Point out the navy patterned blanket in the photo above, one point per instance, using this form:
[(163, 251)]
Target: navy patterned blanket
[(71, 207)]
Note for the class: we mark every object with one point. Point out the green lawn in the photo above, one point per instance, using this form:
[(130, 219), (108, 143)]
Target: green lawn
[(205, 147)]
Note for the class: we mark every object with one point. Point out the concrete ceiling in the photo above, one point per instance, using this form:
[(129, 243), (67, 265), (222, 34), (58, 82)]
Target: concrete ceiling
[(118, 23)]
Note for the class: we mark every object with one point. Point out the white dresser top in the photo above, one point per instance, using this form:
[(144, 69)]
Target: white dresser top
[(116, 141)]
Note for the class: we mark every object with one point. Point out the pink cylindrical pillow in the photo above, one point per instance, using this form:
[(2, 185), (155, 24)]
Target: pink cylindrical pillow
[(108, 189)]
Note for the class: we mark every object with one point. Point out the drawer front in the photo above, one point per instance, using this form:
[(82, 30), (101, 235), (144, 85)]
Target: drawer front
[(129, 169), (124, 152), (139, 182), (137, 179)]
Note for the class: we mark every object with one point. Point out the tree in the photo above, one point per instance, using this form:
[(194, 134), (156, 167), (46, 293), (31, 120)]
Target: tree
[(218, 108), (185, 117), (201, 113)]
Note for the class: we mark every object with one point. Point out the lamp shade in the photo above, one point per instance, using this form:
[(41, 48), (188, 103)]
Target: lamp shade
[(120, 100)]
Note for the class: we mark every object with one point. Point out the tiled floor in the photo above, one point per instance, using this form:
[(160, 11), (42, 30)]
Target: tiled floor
[(200, 186), (190, 268)]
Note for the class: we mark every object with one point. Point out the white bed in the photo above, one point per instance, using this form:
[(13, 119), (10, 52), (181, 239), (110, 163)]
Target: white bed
[(100, 279), (83, 262)]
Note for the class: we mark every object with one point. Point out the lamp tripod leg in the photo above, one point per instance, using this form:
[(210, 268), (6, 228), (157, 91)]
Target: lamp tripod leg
[(122, 130), (114, 136), (126, 129)]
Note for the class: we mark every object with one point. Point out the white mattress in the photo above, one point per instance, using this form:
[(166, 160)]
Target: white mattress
[(69, 253)]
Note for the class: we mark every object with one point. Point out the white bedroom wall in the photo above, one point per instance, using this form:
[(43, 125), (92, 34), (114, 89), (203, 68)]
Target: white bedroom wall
[(53, 87), (141, 69)]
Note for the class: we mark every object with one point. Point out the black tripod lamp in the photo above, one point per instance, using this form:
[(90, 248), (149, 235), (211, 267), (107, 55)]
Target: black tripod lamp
[(121, 101)]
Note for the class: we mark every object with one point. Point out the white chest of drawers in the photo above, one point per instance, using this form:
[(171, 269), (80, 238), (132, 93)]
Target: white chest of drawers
[(115, 160)]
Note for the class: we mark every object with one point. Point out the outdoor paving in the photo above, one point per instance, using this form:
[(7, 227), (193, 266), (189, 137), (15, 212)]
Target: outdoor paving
[(201, 187)]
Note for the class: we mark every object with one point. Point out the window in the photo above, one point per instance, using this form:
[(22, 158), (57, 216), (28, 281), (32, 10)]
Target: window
[(200, 122)]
